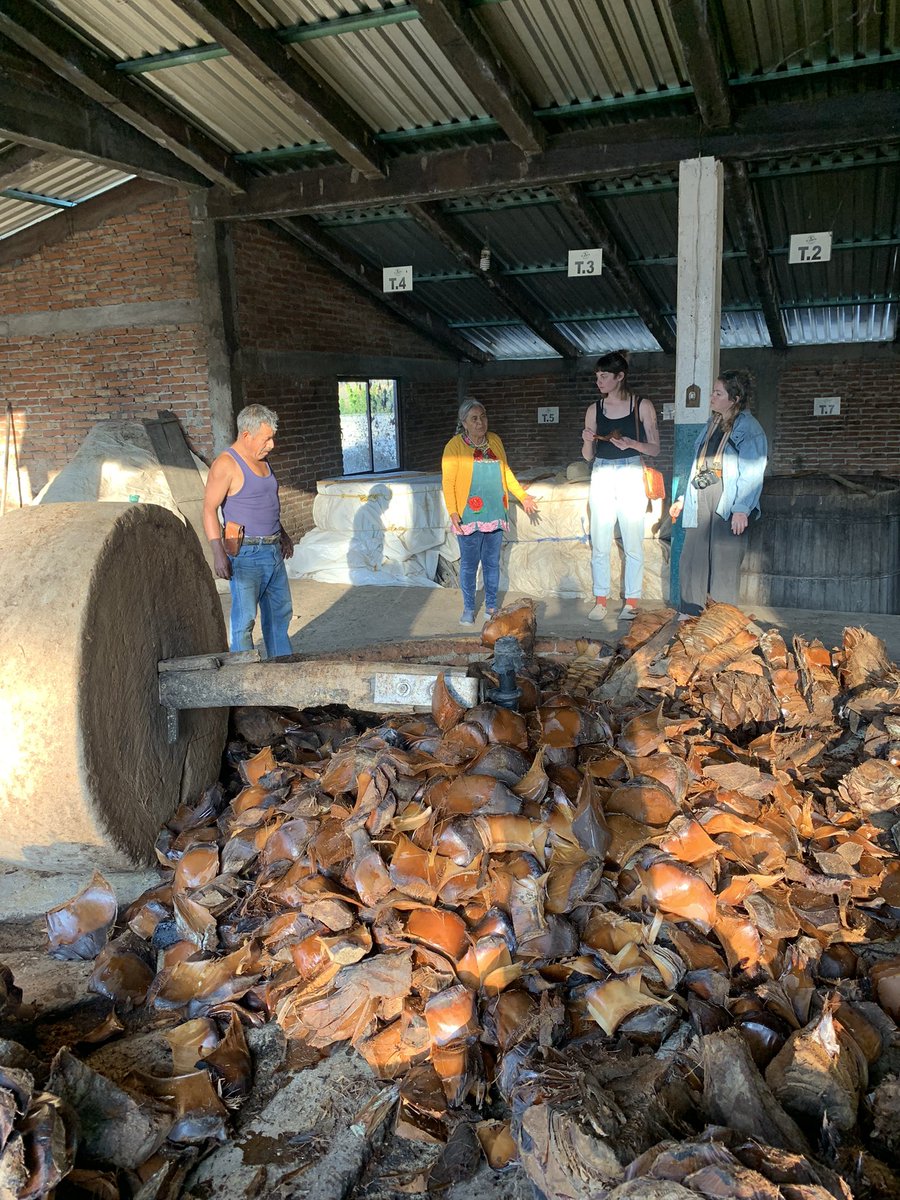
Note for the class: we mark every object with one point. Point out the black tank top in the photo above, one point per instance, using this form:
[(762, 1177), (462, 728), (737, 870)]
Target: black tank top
[(614, 427)]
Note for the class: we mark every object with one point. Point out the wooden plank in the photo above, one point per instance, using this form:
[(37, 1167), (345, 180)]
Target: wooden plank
[(760, 131), (456, 31), (182, 476), (700, 45), (378, 686), (20, 165), (454, 238), (749, 216), (217, 306), (39, 108), (29, 26), (297, 86)]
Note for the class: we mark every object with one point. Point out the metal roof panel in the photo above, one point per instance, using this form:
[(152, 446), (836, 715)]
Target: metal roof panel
[(578, 50), (233, 105), (396, 77)]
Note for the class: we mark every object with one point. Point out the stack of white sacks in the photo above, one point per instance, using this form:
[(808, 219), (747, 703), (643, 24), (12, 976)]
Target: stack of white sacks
[(375, 529), (393, 529)]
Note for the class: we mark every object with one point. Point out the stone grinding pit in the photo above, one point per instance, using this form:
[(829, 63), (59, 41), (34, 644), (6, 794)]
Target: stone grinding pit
[(92, 597)]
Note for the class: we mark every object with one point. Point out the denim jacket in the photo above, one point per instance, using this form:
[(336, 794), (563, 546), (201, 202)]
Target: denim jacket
[(743, 467)]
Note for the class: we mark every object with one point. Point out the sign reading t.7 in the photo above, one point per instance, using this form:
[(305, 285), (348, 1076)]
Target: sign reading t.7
[(810, 248)]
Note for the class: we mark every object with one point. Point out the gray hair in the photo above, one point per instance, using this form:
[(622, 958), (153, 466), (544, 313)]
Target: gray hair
[(464, 409), (252, 418)]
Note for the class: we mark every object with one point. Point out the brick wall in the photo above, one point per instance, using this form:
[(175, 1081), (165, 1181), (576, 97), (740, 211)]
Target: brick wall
[(61, 383), (864, 438), (512, 409), (287, 301)]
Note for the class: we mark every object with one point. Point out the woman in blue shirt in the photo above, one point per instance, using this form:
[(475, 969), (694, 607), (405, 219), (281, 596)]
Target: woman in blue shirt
[(722, 493)]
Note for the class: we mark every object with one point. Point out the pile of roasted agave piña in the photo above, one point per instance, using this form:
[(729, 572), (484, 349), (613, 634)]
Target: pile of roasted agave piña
[(638, 937)]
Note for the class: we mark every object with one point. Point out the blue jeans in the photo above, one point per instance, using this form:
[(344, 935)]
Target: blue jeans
[(617, 494), (259, 579), (484, 548)]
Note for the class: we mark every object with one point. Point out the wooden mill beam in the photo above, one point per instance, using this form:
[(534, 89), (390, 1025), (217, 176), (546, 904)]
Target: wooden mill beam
[(30, 27), (583, 212), (458, 34), (517, 298), (758, 132), (275, 66), (368, 278)]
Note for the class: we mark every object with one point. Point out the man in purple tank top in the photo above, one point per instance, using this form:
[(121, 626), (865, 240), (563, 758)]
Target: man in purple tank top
[(243, 484)]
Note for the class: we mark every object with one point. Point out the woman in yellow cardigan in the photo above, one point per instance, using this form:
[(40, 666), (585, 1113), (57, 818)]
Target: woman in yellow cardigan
[(477, 482)]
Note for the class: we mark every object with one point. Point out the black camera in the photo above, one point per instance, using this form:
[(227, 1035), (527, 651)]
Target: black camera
[(704, 479)]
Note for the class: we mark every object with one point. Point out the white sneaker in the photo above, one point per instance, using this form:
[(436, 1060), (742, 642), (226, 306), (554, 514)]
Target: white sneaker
[(468, 618), (628, 613), (597, 613)]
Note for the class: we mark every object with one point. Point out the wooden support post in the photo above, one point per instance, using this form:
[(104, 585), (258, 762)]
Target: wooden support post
[(217, 305), (698, 316)]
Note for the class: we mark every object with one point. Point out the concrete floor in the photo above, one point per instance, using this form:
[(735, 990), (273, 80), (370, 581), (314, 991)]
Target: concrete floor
[(331, 616)]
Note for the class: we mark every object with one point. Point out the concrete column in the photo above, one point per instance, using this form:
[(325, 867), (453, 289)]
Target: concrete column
[(698, 315)]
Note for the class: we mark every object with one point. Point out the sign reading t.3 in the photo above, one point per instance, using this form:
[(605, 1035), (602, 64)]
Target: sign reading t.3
[(585, 263)]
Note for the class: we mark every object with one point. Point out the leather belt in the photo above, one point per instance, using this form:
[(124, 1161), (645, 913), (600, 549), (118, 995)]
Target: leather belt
[(261, 541)]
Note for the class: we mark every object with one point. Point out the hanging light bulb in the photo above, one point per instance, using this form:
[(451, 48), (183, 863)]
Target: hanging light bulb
[(484, 261)]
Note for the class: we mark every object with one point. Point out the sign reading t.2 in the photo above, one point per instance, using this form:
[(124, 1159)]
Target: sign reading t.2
[(810, 248)]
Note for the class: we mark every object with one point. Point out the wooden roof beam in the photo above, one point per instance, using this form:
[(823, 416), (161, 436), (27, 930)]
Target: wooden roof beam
[(750, 218), (94, 75), (21, 164), (700, 46), (369, 279), (583, 212), (458, 34), (39, 108), (758, 132), (516, 298), (273, 65)]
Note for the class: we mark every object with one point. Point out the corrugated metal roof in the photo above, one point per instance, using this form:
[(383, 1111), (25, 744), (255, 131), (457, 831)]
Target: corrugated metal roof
[(63, 178), (767, 34), (847, 323), (600, 337), (577, 50), (397, 77), (232, 104), (570, 298), (280, 13), (466, 300), (133, 29), (743, 331), (510, 342), (15, 215), (395, 244)]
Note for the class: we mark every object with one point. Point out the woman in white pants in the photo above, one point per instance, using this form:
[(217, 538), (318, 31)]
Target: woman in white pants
[(611, 441)]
